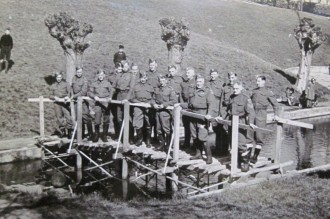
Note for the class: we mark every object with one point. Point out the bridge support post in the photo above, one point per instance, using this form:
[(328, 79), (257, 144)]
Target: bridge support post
[(79, 120), (279, 138), (234, 145)]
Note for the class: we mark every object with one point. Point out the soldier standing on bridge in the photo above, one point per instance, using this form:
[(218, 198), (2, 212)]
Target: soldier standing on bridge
[(123, 85), (261, 98), (60, 92), (226, 92), (79, 89), (216, 86), (101, 90), (142, 93), (164, 96), (240, 104), (200, 102), (188, 87), (174, 80)]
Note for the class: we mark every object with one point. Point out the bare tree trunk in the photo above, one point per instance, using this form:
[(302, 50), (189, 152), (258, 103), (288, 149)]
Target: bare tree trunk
[(70, 66), (175, 56), (304, 70)]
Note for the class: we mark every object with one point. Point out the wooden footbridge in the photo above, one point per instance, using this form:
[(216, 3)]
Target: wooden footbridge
[(171, 171)]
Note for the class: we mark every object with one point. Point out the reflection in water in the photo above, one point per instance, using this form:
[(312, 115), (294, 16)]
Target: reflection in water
[(304, 148)]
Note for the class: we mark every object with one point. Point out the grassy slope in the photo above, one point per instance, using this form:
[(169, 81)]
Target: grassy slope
[(297, 197), (228, 35)]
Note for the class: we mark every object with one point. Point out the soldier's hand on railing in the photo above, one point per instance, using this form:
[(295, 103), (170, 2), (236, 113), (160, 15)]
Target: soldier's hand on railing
[(208, 117), (96, 98), (218, 118), (57, 99), (276, 118), (67, 99), (253, 126)]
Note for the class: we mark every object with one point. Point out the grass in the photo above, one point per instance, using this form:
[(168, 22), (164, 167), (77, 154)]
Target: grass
[(228, 35), (297, 197)]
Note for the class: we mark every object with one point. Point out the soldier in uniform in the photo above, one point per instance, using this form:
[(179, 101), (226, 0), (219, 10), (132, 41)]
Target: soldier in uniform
[(289, 99), (113, 107), (188, 86), (200, 101), (79, 89), (123, 86), (61, 89), (240, 104), (261, 98), (142, 93), (174, 80), (98, 90), (164, 96)]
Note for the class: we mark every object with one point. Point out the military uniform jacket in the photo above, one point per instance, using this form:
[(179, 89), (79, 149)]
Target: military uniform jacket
[(310, 92), (202, 100), (241, 105), (153, 78), (216, 87), (112, 77), (79, 86), (165, 96), (102, 89), (262, 97), (226, 93), (175, 83), (60, 90), (187, 88), (124, 81), (142, 93)]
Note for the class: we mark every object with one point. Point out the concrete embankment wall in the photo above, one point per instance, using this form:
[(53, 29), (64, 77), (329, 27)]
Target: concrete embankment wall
[(19, 149)]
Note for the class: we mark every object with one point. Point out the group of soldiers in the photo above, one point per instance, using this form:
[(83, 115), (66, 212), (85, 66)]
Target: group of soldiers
[(209, 97)]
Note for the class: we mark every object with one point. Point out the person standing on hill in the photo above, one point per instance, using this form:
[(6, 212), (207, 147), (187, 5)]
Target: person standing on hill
[(200, 101), (6, 45), (119, 56), (101, 90), (60, 92), (79, 89), (142, 93), (261, 99)]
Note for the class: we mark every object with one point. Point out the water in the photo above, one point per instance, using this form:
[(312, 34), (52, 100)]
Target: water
[(306, 148)]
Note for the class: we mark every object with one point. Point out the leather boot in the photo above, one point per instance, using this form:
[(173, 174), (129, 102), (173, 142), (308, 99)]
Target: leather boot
[(148, 137), (161, 140), (97, 133), (208, 152), (243, 161), (62, 133), (90, 131), (139, 137), (254, 158), (167, 142), (104, 137), (198, 154), (131, 135), (69, 133)]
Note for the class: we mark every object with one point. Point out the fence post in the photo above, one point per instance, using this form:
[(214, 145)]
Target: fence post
[(234, 145), (126, 124), (279, 138), (79, 120), (41, 116)]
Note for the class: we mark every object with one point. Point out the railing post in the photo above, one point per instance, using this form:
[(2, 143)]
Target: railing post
[(176, 132), (279, 138), (126, 124), (234, 145), (41, 116), (79, 119)]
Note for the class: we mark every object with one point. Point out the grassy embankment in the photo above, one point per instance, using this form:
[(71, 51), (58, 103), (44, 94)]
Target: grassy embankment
[(297, 197), (228, 35)]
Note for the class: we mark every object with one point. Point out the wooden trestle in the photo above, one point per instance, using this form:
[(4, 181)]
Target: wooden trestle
[(97, 162)]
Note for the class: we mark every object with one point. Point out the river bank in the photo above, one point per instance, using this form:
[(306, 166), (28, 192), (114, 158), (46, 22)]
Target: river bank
[(303, 196)]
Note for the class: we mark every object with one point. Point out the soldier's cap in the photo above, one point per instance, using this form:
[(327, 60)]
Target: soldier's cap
[(8, 28), (57, 73), (99, 71), (291, 89), (213, 70), (121, 47), (198, 76), (313, 79), (152, 61), (143, 75), (78, 68), (171, 66), (118, 64)]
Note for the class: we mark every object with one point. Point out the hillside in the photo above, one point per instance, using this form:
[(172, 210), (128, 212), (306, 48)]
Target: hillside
[(228, 35)]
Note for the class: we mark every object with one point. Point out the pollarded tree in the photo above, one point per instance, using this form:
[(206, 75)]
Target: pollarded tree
[(176, 35), (71, 35), (309, 39)]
